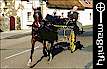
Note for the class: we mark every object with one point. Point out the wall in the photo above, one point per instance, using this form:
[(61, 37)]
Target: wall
[(86, 17), (24, 15)]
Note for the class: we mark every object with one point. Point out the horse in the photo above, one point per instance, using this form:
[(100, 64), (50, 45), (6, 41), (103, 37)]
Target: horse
[(42, 31)]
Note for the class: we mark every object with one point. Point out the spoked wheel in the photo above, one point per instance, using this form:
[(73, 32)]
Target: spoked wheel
[(72, 42), (72, 47)]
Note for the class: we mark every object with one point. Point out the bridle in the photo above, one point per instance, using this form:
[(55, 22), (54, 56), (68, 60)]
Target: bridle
[(37, 21)]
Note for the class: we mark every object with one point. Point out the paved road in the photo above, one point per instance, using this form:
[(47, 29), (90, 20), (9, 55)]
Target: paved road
[(15, 54)]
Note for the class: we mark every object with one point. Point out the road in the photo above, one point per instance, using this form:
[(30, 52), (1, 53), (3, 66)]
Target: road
[(15, 53)]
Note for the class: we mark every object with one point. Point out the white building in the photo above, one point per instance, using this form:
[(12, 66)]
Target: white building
[(26, 15), (85, 16), (26, 12)]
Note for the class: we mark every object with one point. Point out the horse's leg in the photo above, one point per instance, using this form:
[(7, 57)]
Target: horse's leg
[(50, 52), (33, 40), (45, 51)]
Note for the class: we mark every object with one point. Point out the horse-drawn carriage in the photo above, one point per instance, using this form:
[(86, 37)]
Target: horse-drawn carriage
[(47, 31), (69, 22)]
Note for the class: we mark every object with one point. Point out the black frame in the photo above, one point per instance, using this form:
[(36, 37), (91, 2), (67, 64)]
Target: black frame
[(96, 22)]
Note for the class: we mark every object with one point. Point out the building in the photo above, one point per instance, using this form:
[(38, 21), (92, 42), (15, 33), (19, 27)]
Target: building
[(26, 15), (8, 14), (85, 9), (19, 13), (16, 14), (86, 16)]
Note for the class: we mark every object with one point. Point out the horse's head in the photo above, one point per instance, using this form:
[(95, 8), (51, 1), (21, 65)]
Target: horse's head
[(37, 17)]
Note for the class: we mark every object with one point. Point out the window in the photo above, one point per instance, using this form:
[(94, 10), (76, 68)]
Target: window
[(90, 16), (5, 3), (29, 16)]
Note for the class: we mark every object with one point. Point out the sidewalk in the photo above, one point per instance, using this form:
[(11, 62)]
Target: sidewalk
[(14, 34)]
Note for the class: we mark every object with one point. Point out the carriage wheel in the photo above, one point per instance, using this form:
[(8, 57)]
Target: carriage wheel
[(72, 42)]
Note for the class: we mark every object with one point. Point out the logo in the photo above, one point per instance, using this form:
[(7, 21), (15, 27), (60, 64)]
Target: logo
[(100, 7)]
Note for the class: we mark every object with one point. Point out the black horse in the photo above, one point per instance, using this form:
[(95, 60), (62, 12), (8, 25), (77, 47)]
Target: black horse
[(42, 31)]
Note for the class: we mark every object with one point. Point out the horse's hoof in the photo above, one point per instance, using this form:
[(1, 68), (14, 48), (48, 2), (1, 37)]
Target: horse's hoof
[(48, 62), (50, 58), (29, 62)]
